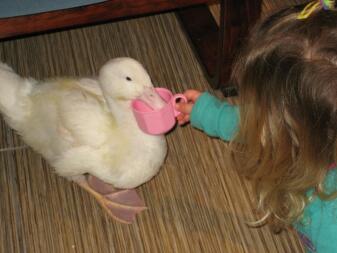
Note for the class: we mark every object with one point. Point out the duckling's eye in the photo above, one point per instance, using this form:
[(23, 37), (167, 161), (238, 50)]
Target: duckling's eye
[(128, 78)]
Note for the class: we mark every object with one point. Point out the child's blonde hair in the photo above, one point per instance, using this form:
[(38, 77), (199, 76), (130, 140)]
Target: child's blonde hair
[(287, 80)]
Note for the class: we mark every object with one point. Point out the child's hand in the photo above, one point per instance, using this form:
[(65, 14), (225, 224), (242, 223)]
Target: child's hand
[(186, 108)]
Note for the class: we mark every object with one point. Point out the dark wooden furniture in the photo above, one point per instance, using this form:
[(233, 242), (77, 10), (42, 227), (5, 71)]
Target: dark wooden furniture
[(214, 45)]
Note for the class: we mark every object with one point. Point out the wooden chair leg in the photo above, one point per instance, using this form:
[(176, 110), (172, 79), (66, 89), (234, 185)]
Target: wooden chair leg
[(216, 46)]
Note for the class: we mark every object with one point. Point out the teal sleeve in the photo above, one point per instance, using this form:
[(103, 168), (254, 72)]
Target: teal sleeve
[(318, 225), (216, 118)]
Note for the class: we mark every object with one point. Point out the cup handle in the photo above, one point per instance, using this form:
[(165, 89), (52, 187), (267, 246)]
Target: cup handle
[(174, 102)]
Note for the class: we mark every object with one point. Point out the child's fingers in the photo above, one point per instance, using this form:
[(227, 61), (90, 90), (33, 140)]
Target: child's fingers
[(180, 117), (192, 95), (183, 119), (186, 119), (185, 108)]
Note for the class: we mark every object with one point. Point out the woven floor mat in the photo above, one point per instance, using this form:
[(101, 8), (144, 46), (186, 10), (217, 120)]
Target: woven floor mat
[(197, 203)]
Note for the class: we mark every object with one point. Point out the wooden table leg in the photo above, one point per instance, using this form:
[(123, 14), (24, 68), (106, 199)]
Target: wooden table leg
[(216, 46), (236, 16), (203, 32)]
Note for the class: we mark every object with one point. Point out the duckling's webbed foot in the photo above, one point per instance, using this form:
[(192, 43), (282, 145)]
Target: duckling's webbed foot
[(122, 205)]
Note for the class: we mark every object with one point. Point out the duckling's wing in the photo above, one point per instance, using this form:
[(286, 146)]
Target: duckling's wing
[(91, 85), (83, 113)]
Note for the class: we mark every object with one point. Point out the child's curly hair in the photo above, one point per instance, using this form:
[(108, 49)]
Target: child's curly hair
[(287, 80)]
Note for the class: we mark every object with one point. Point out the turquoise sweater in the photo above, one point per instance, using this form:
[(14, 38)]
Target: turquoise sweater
[(317, 227)]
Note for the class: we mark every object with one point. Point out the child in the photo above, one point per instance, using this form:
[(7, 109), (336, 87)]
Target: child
[(283, 133)]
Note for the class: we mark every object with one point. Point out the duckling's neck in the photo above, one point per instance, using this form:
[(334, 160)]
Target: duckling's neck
[(121, 110)]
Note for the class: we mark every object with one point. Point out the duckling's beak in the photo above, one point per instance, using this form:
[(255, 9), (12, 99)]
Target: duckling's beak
[(152, 98)]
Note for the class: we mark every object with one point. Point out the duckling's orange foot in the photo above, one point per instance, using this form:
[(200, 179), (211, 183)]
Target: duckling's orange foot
[(122, 205)]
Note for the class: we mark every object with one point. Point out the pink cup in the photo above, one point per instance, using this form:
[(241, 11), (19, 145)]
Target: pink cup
[(159, 121)]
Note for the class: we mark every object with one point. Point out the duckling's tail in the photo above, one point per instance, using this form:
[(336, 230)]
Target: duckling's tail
[(14, 96)]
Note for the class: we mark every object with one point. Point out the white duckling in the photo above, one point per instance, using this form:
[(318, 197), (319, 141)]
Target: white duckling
[(86, 130)]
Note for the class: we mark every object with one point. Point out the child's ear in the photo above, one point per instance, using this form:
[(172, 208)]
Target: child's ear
[(91, 85)]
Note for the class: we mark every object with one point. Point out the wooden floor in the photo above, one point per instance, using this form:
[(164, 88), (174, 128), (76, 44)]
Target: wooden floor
[(196, 203)]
